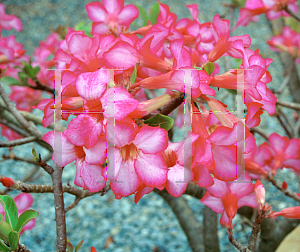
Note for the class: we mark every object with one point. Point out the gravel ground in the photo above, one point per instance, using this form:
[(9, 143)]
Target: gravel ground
[(150, 224)]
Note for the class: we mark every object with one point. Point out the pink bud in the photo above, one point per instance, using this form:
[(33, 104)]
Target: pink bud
[(290, 212), (259, 192)]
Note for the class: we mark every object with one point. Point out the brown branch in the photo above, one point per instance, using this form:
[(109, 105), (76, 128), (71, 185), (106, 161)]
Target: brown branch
[(42, 87), (189, 224), (287, 191), (261, 132), (210, 230), (12, 108), (283, 125), (255, 232), (237, 244), (287, 104), (294, 15), (74, 204), (195, 191), (172, 105), (17, 142)]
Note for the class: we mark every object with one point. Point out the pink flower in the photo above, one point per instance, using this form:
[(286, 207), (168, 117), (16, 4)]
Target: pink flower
[(8, 22), (111, 15), (23, 202), (136, 157), (226, 198)]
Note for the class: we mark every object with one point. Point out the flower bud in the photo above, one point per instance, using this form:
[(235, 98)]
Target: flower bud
[(284, 185), (259, 192), (7, 182)]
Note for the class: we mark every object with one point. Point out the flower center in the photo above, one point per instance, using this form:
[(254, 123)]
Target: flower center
[(129, 152), (170, 157)]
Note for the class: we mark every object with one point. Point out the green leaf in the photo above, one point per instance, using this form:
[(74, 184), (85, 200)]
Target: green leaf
[(82, 26), (165, 122), (143, 15), (78, 246), (3, 247), (70, 247), (10, 209), (5, 229), (13, 239), (24, 218), (134, 74), (209, 68), (36, 156), (232, 91), (154, 13), (10, 80)]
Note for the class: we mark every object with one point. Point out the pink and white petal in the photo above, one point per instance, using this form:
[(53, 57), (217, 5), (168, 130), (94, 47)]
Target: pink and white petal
[(84, 130), (78, 179), (202, 176), (64, 152), (151, 169), (100, 28), (122, 55), (278, 143), (224, 220), (212, 202), (115, 161), (223, 135), (128, 15), (121, 133), (113, 6), (97, 154), (127, 181), (219, 188), (140, 193), (248, 200), (293, 149), (92, 85), (92, 177), (96, 12), (242, 189), (8, 52), (120, 103), (226, 167), (151, 140), (23, 201), (10, 21), (178, 179)]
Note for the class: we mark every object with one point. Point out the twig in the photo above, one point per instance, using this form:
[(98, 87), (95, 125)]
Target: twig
[(261, 132), (283, 125), (189, 224), (255, 231), (42, 87), (12, 108), (238, 245), (292, 105), (60, 218), (285, 81), (292, 14), (286, 119), (74, 204), (287, 191), (297, 128), (18, 141)]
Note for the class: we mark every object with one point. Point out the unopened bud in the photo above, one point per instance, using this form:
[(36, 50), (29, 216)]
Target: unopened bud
[(284, 185), (259, 192)]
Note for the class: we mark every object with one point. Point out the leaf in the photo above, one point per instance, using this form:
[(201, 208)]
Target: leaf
[(5, 229), (231, 91), (78, 246), (143, 14), (198, 68), (36, 156), (70, 247), (10, 210), (3, 247), (209, 68), (154, 13), (165, 122), (134, 74), (24, 218), (13, 239), (87, 28), (10, 80)]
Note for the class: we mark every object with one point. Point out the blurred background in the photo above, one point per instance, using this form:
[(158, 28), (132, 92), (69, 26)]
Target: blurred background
[(104, 222)]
